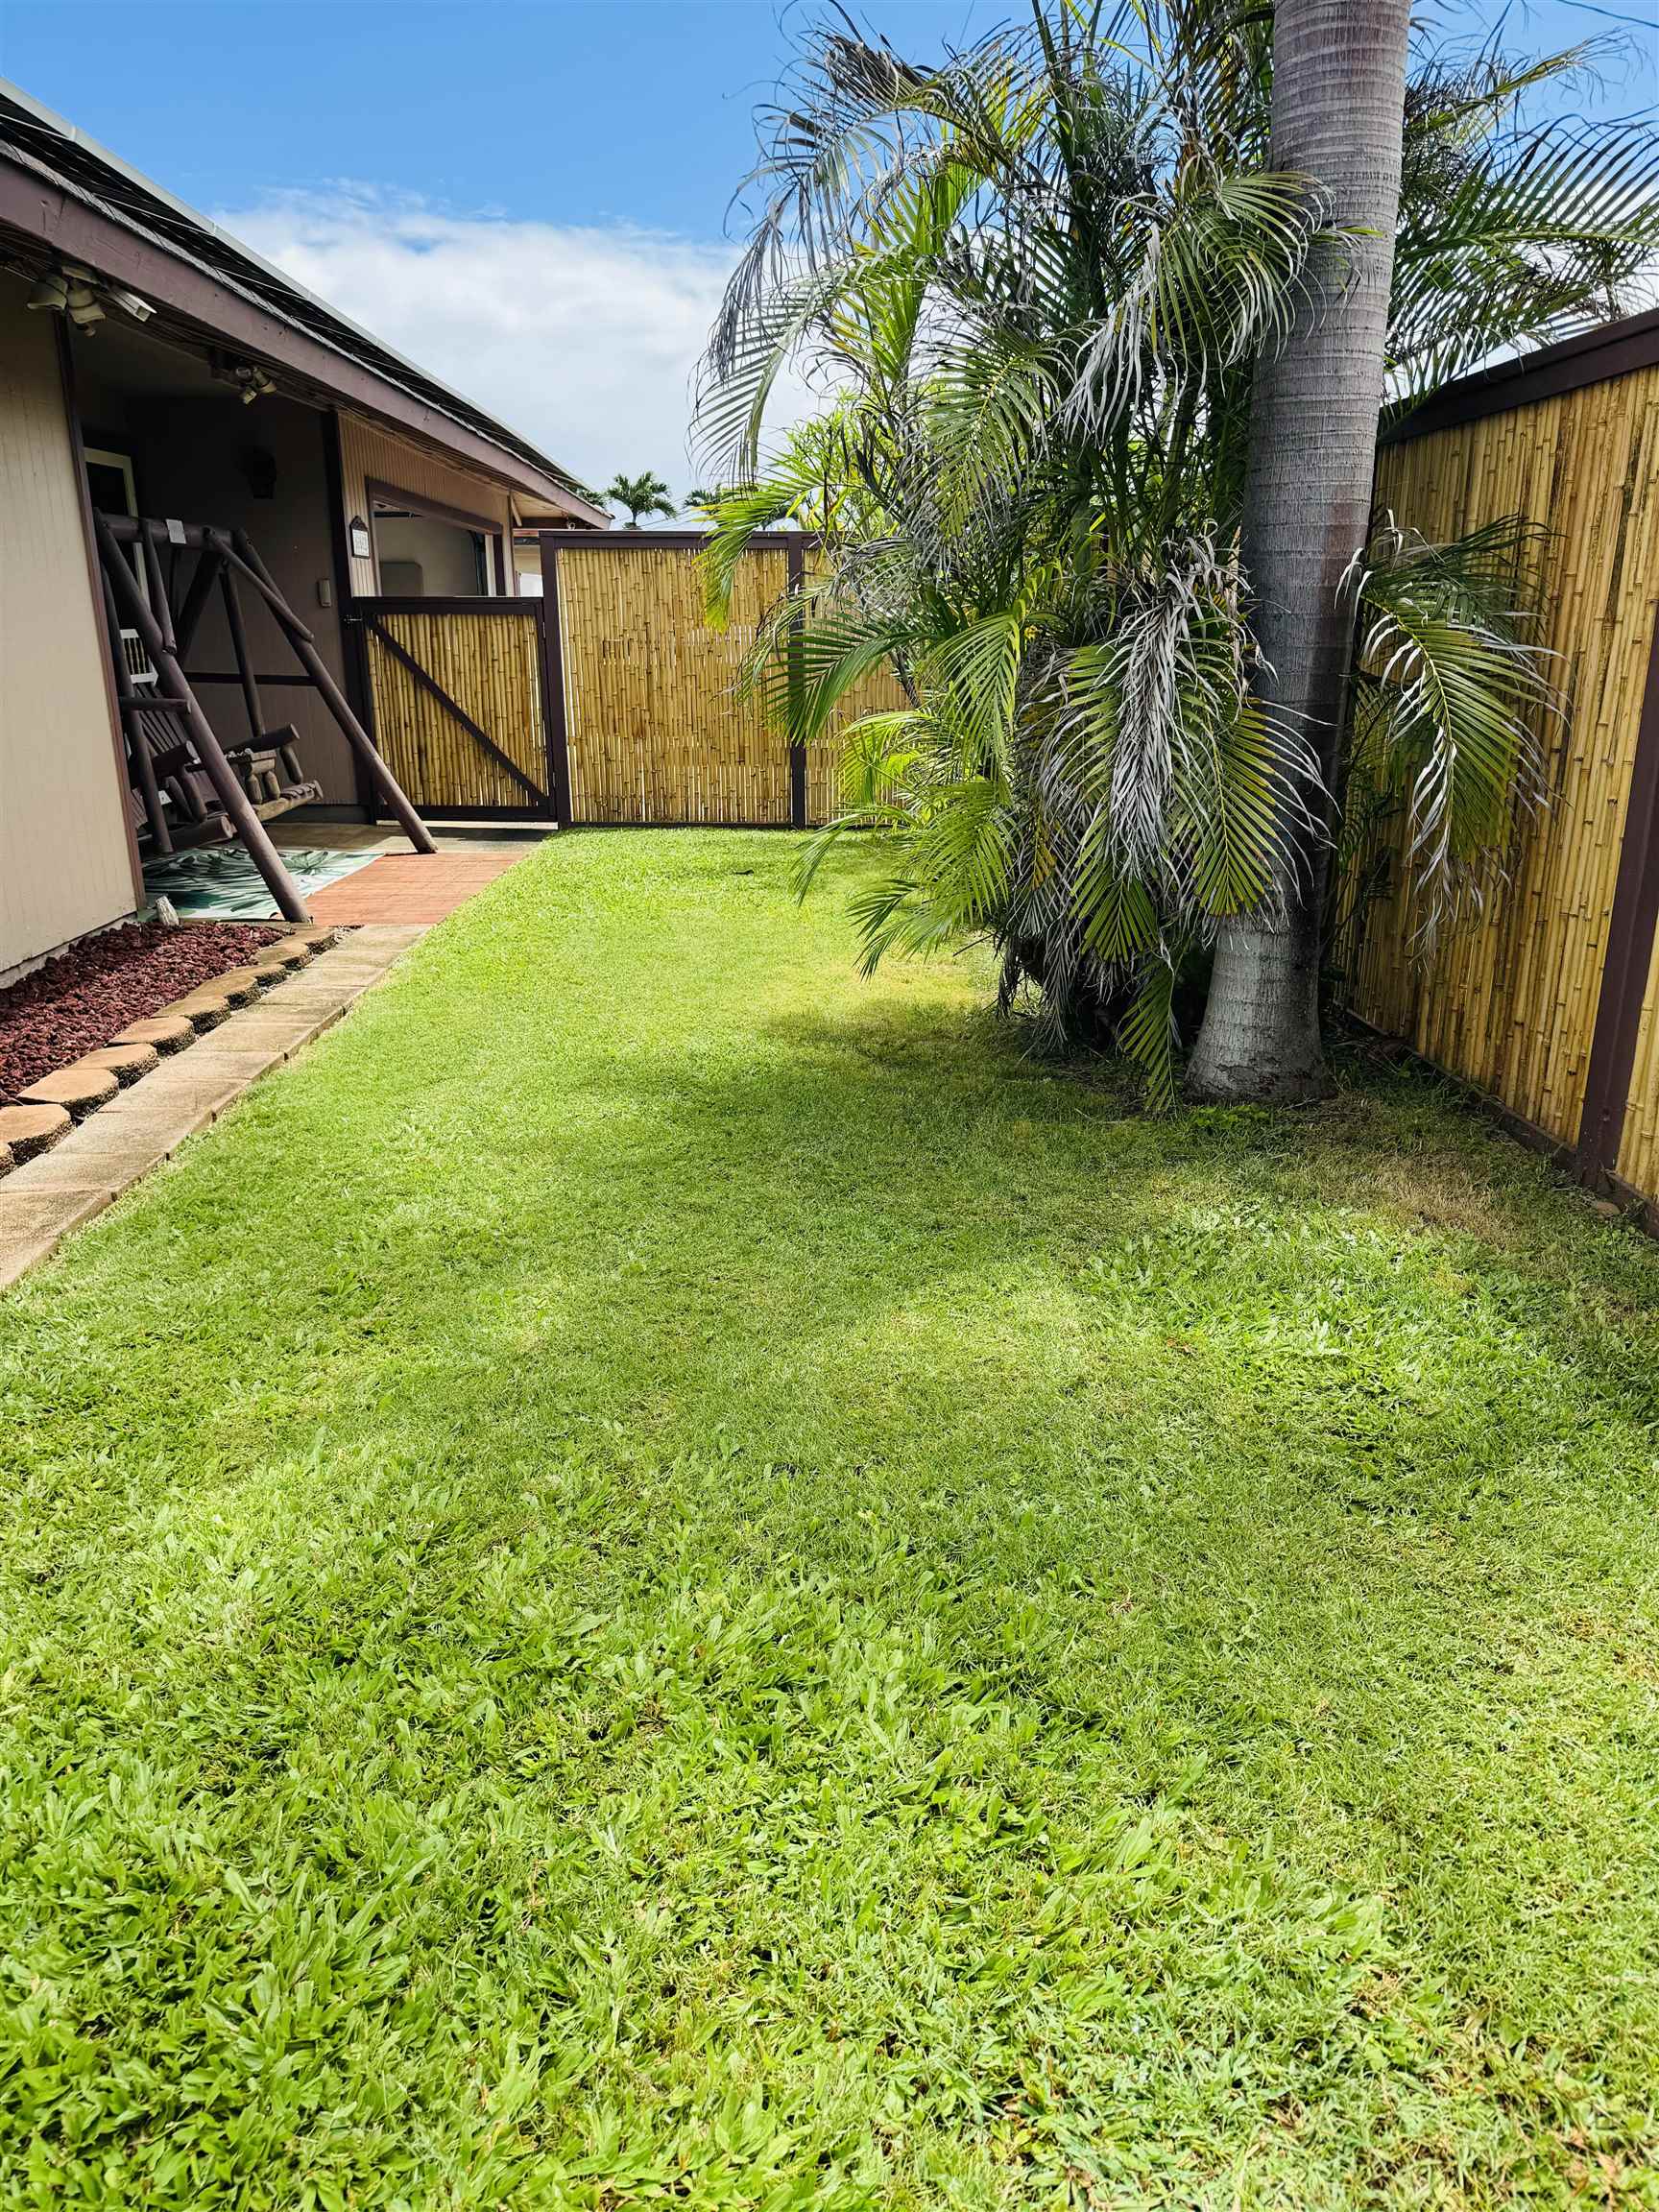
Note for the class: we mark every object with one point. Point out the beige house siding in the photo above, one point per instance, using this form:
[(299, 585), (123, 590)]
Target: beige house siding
[(66, 859), (367, 453)]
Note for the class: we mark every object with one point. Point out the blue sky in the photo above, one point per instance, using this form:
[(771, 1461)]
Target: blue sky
[(529, 197), (509, 104)]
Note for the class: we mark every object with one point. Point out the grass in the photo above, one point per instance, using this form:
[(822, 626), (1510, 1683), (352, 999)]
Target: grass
[(665, 1576)]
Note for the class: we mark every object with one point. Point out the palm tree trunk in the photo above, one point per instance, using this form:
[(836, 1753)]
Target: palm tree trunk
[(1338, 94)]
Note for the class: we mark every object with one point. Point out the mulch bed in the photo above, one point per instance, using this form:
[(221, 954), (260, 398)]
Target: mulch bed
[(86, 995)]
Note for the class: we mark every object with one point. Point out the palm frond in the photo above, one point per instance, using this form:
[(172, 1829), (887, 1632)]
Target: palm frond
[(1222, 269), (1034, 280), (1146, 1032), (1541, 235), (1454, 696)]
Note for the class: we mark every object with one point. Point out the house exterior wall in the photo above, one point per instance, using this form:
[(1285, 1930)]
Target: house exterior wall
[(65, 855), (367, 452), (528, 570)]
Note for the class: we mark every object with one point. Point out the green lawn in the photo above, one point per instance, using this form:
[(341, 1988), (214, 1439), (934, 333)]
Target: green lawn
[(667, 1576)]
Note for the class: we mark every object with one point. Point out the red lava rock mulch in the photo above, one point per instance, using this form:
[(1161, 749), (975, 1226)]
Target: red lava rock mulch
[(86, 995)]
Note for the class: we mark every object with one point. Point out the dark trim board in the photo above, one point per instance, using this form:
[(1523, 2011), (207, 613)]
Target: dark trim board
[(1555, 1149), (626, 541), (527, 818), (351, 632), (681, 822), (795, 572), (555, 706), (433, 510), (1593, 358), (1629, 951), (452, 602)]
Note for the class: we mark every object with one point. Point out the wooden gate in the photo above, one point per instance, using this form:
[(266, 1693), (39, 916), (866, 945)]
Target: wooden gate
[(655, 730), (463, 699)]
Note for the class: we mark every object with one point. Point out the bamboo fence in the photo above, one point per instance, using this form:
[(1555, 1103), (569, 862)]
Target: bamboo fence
[(488, 665), (1508, 999), (656, 727)]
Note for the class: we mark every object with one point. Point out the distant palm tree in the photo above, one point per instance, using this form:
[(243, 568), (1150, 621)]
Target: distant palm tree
[(644, 495)]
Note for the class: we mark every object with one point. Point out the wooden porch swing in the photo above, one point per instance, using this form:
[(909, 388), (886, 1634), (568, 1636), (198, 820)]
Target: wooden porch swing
[(187, 788)]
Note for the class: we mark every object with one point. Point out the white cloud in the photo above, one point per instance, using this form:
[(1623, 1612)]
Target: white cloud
[(584, 340)]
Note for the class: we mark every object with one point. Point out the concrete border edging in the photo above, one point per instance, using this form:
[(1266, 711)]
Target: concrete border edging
[(147, 1120)]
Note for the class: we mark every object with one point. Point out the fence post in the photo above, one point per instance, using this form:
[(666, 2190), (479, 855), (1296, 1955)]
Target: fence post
[(1629, 951), (553, 707), (795, 572)]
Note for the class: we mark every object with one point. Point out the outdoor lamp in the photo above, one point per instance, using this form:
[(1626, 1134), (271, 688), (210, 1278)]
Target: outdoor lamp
[(84, 307)]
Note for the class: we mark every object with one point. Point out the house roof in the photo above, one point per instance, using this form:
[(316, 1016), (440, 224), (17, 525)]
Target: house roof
[(64, 192)]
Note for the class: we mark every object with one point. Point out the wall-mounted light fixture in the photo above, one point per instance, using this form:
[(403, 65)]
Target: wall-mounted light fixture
[(85, 311), (246, 377)]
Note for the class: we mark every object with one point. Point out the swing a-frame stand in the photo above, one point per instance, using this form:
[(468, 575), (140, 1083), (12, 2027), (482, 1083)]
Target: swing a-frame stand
[(175, 758)]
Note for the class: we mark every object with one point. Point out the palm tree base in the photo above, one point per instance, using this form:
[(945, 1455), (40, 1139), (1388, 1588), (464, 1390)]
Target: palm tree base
[(1259, 1043)]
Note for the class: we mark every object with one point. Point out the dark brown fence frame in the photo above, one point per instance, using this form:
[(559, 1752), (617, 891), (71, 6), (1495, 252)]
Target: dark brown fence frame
[(793, 544), (551, 804)]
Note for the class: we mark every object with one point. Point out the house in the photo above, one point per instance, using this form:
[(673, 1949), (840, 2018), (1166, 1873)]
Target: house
[(153, 367)]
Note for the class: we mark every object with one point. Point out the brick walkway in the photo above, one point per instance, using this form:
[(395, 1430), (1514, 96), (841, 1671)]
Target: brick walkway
[(411, 887)]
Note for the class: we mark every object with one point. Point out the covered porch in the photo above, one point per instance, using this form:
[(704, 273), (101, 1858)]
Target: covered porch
[(155, 369), (245, 536), (351, 873)]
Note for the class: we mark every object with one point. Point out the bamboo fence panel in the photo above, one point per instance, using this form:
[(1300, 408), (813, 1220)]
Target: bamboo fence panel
[(879, 692), (656, 731), (1507, 1000), (488, 665)]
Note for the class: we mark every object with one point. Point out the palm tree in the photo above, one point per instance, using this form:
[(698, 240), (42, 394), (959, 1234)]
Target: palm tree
[(1045, 278), (1337, 108), (642, 494)]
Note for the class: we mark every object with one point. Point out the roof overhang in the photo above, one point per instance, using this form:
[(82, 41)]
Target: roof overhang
[(61, 222)]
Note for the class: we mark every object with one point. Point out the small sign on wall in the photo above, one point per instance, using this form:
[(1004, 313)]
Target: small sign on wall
[(362, 544)]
